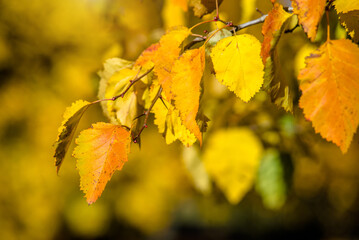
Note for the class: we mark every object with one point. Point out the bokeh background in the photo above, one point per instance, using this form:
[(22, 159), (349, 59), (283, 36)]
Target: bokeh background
[(50, 53)]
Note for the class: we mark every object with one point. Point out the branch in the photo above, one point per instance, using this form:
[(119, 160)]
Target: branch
[(146, 114), (236, 28)]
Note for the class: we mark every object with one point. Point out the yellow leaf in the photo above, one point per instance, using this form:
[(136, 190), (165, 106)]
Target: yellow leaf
[(232, 159), (309, 14), (167, 53), (172, 13), (330, 98), (168, 121), (101, 151), (186, 76), (202, 7), (238, 64), (345, 6), (67, 129)]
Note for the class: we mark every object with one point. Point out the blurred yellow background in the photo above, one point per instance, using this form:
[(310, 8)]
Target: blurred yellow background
[(50, 53)]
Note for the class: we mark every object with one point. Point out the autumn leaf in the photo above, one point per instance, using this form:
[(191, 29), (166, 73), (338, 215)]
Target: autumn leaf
[(167, 53), (146, 58), (181, 3), (186, 76), (350, 21), (232, 159), (202, 7), (272, 29), (345, 6), (238, 64), (309, 14), (168, 120), (330, 91), (67, 129), (274, 82), (101, 150)]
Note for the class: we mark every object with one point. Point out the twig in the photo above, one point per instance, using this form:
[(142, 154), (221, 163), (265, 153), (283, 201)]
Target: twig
[(146, 114)]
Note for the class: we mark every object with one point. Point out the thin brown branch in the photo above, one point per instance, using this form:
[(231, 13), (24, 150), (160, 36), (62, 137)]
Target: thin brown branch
[(146, 114)]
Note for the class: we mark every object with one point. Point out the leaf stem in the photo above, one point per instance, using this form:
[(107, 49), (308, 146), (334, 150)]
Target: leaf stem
[(146, 114), (328, 26), (200, 23)]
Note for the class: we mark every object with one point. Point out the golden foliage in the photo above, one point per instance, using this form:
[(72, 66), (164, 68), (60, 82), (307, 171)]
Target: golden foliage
[(101, 151), (232, 159), (330, 96), (238, 65), (309, 15)]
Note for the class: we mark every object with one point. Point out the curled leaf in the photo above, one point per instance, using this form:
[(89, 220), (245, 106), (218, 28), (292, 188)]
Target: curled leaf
[(67, 130), (186, 76), (101, 151)]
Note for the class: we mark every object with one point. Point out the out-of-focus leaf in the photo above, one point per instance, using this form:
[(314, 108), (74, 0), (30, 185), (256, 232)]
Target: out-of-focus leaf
[(350, 21), (173, 13), (186, 76), (195, 167), (67, 130), (202, 7), (232, 158), (101, 151), (270, 182), (309, 14), (345, 6), (166, 55), (330, 98), (238, 64), (274, 82)]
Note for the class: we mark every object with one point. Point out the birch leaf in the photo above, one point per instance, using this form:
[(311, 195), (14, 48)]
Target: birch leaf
[(101, 151), (309, 14), (330, 91), (345, 6), (67, 130), (238, 65)]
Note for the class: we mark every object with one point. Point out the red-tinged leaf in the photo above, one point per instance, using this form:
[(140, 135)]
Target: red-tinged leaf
[(309, 14), (146, 58), (167, 53), (67, 130), (187, 74), (274, 82), (101, 150), (330, 88)]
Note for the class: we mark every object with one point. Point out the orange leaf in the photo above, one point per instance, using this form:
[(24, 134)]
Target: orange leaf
[(186, 74), (101, 150), (309, 13), (330, 89), (181, 3), (146, 58), (167, 53), (272, 29)]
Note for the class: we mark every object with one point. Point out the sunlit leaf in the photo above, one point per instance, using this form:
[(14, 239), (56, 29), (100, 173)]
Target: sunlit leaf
[(67, 129), (169, 123), (238, 64), (186, 76), (232, 159), (270, 183), (309, 14), (330, 98), (101, 151), (146, 58), (345, 6), (182, 3), (167, 53)]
